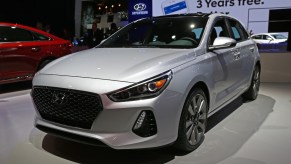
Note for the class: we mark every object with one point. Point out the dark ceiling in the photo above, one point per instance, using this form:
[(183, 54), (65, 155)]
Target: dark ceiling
[(59, 14)]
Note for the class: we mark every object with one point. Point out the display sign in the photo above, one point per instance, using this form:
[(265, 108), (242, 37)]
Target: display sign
[(271, 17), (174, 7), (87, 17), (138, 9)]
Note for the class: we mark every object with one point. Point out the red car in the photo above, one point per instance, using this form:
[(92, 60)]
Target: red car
[(24, 50)]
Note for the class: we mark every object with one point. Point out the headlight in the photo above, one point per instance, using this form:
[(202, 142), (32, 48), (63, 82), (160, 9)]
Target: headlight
[(146, 89)]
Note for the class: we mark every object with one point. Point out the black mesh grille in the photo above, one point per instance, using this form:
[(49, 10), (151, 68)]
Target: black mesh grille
[(68, 107)]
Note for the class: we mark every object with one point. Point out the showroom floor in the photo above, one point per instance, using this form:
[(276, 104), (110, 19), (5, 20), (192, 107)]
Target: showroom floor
[(255, 132)]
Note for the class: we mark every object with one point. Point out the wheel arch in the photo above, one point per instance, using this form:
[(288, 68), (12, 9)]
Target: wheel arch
[(199, 84), (258, 63), (202, 85), (45, 59)]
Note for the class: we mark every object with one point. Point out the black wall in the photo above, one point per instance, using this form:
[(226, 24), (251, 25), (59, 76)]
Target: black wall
[(280, 21), (58, 13)]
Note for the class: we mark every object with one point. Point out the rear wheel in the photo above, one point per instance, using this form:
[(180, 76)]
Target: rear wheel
[(193, 121), (253, 91)]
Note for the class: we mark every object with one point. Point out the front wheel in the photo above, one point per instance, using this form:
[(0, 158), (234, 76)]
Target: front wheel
[(193, 121), (253, 91)]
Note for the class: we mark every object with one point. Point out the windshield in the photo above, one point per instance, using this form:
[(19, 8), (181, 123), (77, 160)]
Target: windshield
[(175, 32), (279, 36)]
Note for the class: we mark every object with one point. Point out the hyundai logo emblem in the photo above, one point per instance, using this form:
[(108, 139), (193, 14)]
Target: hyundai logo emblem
[(140, 6), (59, 98)]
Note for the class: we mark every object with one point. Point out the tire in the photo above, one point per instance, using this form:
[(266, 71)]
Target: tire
[(253, 91), (43, 64), (193, 121)]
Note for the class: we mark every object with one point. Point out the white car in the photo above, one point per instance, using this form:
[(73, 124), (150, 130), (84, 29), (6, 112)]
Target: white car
[(269, 38)]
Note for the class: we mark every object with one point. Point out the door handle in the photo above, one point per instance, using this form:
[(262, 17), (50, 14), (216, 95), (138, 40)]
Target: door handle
[(35, 49), (252, 49), (236, 56)]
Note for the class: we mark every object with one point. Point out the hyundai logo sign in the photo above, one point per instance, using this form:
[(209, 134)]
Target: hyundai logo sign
[(140, 7)]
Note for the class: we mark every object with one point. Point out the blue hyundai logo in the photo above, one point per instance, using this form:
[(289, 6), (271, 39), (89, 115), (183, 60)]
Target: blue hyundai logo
[(140, 6)]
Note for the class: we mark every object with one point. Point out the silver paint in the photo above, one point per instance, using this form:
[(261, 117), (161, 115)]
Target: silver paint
[(103, 70)]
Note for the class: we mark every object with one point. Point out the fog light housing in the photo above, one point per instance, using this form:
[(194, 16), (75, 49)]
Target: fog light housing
[(145, 125)]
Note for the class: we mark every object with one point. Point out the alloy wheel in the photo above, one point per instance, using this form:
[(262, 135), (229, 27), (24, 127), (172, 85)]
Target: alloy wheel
[(196, 119), (256, 81)]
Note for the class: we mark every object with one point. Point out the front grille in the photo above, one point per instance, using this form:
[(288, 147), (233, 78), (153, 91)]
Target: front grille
[(68, 107)]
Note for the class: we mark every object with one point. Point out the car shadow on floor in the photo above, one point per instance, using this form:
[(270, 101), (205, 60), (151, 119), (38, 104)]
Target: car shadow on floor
[(227, 131), (13, 87)]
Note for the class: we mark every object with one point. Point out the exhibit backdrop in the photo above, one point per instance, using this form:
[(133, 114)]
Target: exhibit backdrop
[(248, 11), (258, 16)]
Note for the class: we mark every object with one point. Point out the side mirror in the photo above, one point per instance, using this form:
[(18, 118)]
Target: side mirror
[(269, 38), (222, 42)]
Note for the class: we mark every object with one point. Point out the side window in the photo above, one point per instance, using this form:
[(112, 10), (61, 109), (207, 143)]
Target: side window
[(219, 30), (245, 34), (260, 36), (198, 33), (4, 34), (269, 38), (14, 34), (257, 37), (266, 37), (239, 33), (18, 34), (38, 36)]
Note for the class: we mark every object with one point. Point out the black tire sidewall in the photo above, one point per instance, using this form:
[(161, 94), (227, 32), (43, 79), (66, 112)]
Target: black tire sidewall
[(256, 93), (43, 64), (182, 141), (251, 94)]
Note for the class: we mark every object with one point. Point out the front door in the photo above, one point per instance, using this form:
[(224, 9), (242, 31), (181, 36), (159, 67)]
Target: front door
[(17, 50), (227, 66)]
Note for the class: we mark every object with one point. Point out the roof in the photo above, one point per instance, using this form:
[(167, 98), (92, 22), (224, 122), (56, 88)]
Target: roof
[(28, 28), (184, 15), (265, 33)]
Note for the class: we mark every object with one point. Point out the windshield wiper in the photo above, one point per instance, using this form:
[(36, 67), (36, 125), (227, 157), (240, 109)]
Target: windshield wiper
[(129, 46), (145, 46)]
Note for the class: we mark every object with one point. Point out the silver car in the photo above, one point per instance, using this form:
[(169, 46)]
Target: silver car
[(153, 83)]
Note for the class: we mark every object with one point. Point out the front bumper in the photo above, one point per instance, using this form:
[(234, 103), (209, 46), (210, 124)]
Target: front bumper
[(113, 125)]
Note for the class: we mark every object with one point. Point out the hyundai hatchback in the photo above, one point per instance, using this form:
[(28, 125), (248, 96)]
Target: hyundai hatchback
[(153, 83)]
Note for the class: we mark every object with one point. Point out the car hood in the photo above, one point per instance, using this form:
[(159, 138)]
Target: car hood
[(119, 64)]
